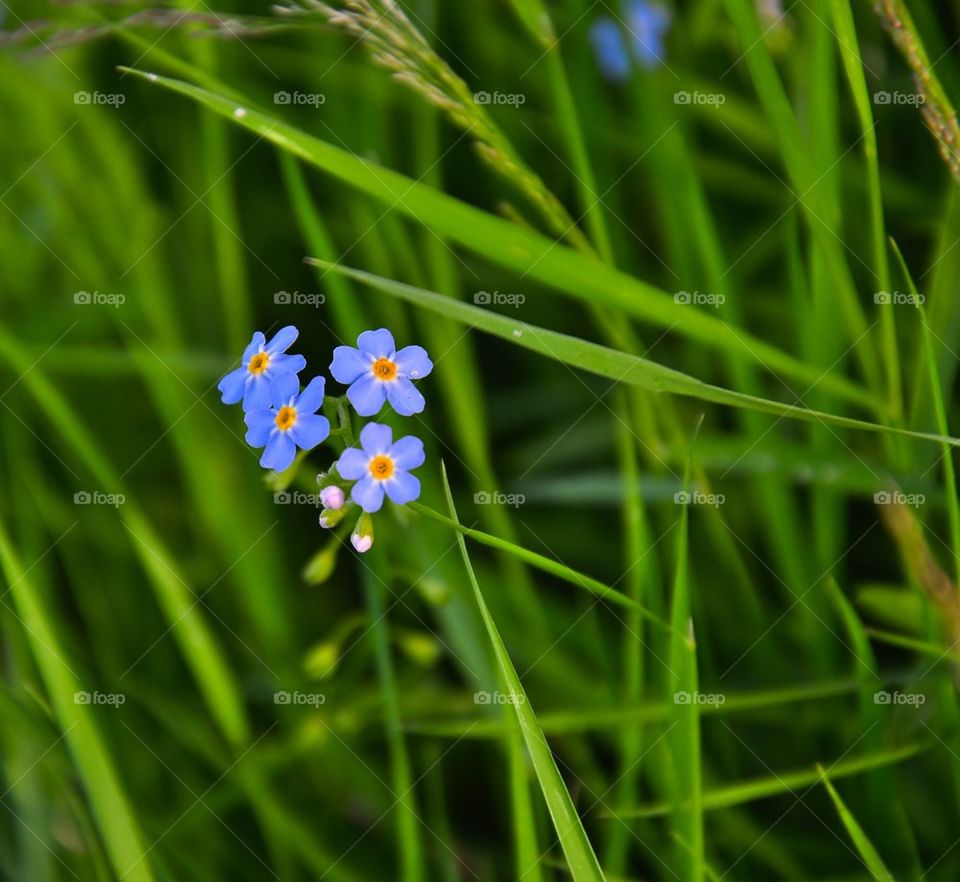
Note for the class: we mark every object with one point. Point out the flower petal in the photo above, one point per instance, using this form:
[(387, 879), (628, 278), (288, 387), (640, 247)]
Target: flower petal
[(377, 343), (282, 340), (348, 364), (311, 398), (408, 453), (402, 488), (233, 385), (260, 423), (404, 397), (283, 387), (353, 464), (367, 395), (413, 362), (286, 364), (368, 494), (309, 430), (257, 394), (279, 453), (376, 438), (255, 345)]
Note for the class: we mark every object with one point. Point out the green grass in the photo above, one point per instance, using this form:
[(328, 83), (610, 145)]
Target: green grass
[(648, 618)]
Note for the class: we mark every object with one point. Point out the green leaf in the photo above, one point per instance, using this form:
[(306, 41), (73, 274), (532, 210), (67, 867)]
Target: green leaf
[(577, 849)]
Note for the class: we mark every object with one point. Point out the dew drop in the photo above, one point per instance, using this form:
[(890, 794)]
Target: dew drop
[(152, 77), (240, 112), (517, 333)]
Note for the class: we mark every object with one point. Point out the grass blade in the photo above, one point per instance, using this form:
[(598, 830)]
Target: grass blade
[(577, 849), (608, 362), (515, 247), (94, 764), (683, 736), (779, 783), (871, 857), (543, 563)]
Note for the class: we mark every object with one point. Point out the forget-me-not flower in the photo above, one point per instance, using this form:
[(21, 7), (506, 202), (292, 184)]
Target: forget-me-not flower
[(290, 423), (261, 364), (377, 372), (382, 466), (611, 50), (648, 23)]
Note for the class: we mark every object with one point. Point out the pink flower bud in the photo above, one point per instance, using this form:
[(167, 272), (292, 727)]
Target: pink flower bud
[(362, 543), (332, 497)]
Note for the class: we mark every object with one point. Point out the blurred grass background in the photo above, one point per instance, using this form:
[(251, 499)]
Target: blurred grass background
[(146, 234)]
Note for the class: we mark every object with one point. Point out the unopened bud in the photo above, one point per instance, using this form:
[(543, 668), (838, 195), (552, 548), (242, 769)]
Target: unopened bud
[(362, 536), (332, 498), (331, 517)]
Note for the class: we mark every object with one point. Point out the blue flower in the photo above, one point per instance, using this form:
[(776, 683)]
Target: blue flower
[(382, 466), (648, 23), (290, 423), (375, 372), (611, 51), (262, 363)]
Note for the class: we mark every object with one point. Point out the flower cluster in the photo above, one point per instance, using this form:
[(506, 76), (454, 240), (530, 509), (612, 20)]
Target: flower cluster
[(281, 418)]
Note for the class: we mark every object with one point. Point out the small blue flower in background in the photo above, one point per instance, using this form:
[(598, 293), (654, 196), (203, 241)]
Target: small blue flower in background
[(377, 372), (290, 423), (646, 25), (262, 362), (611, 50), (382, 466)]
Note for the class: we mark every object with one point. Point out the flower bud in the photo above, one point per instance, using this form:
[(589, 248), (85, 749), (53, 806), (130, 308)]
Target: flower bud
[(331, 517), (329, 477), (362, 536), (332, 497)]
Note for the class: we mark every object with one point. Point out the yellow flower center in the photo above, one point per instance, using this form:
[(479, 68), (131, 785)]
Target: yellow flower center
[(286, 418), (384, 369), (381, 467), (258, 363)]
